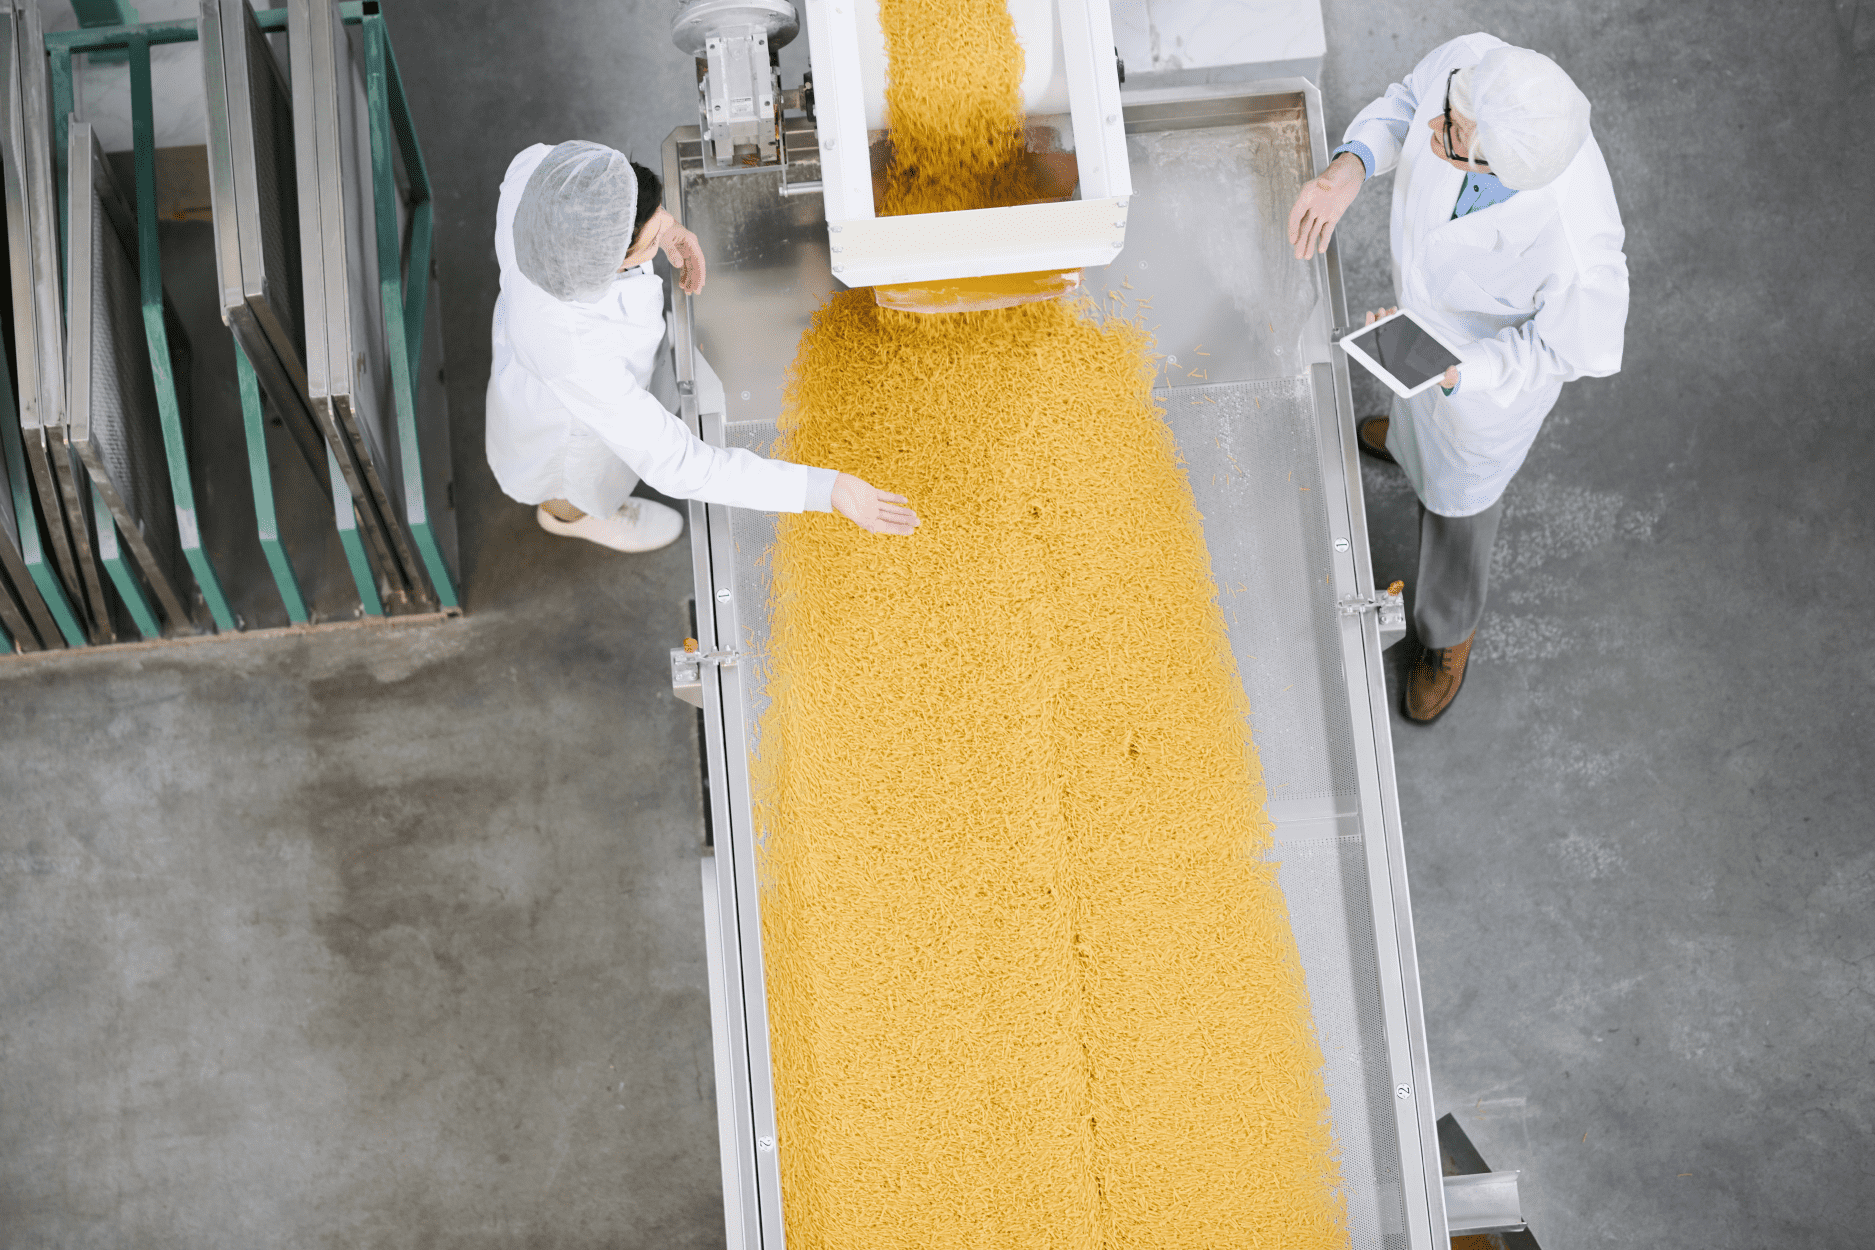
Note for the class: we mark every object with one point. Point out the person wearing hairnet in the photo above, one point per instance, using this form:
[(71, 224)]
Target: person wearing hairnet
[(1506, 241), (571, 427)]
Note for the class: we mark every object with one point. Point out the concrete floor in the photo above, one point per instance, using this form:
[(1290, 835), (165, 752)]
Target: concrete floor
[(391, 938)]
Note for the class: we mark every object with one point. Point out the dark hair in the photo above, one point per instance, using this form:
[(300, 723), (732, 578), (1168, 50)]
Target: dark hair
[(650, 198)]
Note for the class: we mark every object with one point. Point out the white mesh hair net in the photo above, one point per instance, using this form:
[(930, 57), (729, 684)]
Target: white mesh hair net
[(573, 225), (1532, 118)]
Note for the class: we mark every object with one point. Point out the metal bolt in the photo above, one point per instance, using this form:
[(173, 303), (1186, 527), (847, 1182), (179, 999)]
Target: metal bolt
[(1341, 544), (1112, 118), (829, 144), (836, 229), (1403, 1092), (1120, 224), (722, 595), (1171, 360), (839, 268), (745, 394)]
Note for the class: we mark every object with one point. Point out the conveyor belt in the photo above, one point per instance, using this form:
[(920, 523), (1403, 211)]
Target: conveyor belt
[(1266, 434)]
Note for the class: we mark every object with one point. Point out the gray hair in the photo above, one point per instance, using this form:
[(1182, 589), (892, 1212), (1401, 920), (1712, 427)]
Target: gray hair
[(1462, 107)]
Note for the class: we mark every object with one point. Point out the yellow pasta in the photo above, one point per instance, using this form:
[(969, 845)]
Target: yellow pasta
[(1031, 982)]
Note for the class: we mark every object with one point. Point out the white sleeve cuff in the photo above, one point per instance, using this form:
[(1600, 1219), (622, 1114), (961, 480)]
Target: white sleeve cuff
[(820, 490)]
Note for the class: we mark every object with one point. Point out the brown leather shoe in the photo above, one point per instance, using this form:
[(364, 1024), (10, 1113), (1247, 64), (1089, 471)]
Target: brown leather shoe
[(1434, 681), (1371, 434)]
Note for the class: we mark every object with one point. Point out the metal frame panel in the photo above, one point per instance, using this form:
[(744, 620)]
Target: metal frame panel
[(42, 210), (410, 311), (114, 422), (33, 255), (312, 28), (21, 556), (253, 185), (35, 583), (348, 361)]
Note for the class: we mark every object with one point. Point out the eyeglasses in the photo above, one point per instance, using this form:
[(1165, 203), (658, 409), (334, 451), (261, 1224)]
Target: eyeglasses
[(1450, 155)]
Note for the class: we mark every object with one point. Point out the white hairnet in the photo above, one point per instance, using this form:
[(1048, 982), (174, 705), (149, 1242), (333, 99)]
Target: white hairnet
[(573, 225), (1531, 116)]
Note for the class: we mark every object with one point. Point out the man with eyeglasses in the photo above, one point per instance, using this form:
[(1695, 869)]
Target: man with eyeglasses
[(1506, 241)]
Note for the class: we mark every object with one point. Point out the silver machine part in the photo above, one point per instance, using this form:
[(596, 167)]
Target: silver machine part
[(348, 369), (738, 86), (114, 422), (253, 186), (38, 321), (1261, 411), (1483, 1202)]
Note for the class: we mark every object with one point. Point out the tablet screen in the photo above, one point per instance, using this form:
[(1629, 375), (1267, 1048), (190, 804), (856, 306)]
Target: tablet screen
[(1406, 351)]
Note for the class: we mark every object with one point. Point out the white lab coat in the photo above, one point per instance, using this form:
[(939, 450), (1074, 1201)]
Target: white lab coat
[(568, 413), (1534, 290)]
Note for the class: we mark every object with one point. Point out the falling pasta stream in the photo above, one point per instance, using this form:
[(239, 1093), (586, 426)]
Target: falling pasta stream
[(1031, 982)]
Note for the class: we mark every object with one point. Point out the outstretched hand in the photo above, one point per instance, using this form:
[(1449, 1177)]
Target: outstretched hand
[(1323, 200), (871, 509), (686, 256)]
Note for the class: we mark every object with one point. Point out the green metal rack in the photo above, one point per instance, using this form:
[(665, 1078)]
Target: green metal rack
[(405, 289)]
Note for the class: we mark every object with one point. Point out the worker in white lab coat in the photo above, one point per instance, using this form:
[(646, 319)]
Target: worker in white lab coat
[(1507, 241), (571, 427)]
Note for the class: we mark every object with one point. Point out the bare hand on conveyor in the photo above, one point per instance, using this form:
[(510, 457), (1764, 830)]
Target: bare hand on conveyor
[(871, 509), (686, 256), (1322, 202)]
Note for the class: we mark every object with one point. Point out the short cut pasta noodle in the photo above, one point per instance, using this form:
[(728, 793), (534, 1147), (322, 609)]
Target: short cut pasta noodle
[(1031, 980)]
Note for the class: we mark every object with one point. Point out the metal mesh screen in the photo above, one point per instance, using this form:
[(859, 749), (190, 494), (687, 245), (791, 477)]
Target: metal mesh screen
[(1251, 456), (124, 431), (1324, 881), (369, 387)]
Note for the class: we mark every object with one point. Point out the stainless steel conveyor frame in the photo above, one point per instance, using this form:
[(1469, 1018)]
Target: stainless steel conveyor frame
[(1261, 410)]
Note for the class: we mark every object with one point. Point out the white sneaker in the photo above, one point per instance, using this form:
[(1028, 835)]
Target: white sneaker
[(641, 525)]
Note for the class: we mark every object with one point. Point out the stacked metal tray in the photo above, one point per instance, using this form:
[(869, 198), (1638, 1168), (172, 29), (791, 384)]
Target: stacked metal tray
[(218, 420), (47, 464), (113, 421), (1264, 424), (347, 358)]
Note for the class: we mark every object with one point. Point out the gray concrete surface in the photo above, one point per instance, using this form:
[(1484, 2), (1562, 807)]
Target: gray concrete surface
[(390, 939), (1640, 843)]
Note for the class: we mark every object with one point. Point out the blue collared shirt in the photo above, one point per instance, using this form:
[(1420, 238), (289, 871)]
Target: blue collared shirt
[(1481, 189)]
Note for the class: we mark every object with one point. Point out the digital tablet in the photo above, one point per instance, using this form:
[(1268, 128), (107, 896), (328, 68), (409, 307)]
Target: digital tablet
[(1402, 352)]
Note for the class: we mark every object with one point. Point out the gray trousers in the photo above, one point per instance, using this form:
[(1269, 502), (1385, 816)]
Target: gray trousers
[(1454, 574)]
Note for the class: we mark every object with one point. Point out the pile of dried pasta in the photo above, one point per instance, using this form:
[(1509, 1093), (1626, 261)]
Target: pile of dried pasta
[(1030, 981)]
